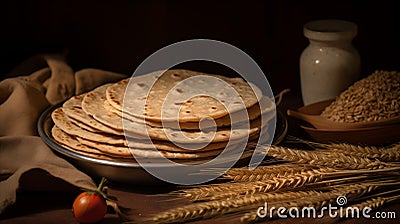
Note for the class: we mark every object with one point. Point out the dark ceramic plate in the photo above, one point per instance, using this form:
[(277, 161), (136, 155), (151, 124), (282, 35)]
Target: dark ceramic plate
[(122, 171)]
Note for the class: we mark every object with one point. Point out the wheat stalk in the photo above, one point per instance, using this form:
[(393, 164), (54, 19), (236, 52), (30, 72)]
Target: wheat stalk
[(205, 210), (317, 202), (355, 148), (389, 154), (292, 181), (386, 154), (264, 172), (372, 203), (204, 191), (355, 190), (230, 205), (336, 160), (263, 169), (311, 177), (339, 168)]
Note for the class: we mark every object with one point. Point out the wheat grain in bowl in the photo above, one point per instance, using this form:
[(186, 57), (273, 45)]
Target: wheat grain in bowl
[(373, 98)]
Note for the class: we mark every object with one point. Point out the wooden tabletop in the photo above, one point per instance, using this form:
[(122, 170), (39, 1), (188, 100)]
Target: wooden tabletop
[(142, 201)]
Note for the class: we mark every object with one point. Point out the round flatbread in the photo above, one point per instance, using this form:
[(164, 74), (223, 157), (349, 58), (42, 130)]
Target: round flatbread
[(70, 143), (74, 101), (145, 100), (266, 105), (74, 145), (93, 104), (149, 153), (96, 149), (68, 124), (73, 109), (62, 121), (83, 125)]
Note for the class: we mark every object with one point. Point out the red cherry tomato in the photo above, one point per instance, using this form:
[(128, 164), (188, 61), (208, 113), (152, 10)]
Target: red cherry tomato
[(89, 207)]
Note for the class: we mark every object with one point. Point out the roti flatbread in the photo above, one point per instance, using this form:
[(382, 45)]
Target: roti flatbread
[(145, 100), (93, 104), (73, 109), (64, 122), (266, 105), (150, 153), (71, 142), (61, 120)]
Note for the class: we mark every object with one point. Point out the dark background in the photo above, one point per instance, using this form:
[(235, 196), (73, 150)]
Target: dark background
[(117, 35)]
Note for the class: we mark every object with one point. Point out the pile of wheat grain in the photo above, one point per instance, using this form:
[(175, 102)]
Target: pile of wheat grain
[(370, 99)]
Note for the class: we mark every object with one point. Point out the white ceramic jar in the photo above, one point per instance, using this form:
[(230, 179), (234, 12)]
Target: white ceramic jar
[(330, 63)]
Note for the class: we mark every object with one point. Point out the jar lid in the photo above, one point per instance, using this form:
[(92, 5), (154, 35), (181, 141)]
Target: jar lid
[(330, 30)]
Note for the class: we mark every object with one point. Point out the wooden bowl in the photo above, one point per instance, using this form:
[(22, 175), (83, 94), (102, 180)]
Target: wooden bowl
[(312, 115), (380, 134)]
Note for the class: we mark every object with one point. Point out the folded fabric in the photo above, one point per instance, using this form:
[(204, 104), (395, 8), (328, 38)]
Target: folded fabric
[(22, 100)]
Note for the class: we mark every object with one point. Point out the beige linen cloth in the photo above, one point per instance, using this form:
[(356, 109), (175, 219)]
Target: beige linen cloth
[(22, 153)]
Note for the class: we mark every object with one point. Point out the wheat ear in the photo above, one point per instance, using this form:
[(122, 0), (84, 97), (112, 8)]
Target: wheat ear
[(309, 177), (317, 202), (205, 210), (265, 172), (275, 183), (336, 160), (388, 154)]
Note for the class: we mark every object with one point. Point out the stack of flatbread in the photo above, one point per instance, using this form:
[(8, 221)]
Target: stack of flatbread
[(174, 114)]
